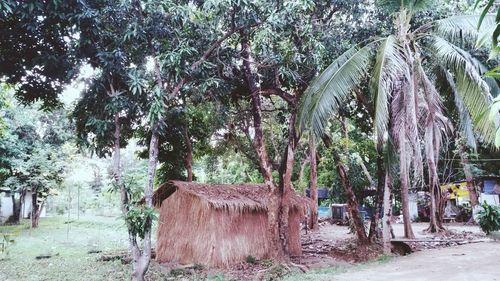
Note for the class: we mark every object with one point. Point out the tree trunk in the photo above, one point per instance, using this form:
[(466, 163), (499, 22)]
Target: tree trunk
[(14, 219), (352, 203), (35, 213), (404, 177), (436, 206), (286, 172), (386, 226), (274, 203), (469, 178), (379, 196), (142, 260), (189, 155), (306, 161), (284, 194), (313, 186)]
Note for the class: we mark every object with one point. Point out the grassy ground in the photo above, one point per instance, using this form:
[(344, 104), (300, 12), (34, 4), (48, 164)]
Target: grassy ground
[(68, 243), (329, 273)]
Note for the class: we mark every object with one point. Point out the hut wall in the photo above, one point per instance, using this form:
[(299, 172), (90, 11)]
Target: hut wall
[(191, 231)]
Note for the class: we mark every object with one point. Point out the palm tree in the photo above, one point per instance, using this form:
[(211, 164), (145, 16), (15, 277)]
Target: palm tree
[(404, 69)]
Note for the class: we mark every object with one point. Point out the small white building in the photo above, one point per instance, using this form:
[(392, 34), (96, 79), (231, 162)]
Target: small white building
[(5, 205), (490, 190), (413, 205), (6, 209)]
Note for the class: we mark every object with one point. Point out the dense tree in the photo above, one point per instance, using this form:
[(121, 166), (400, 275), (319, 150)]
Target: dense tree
[(35, 42), (32, 159)]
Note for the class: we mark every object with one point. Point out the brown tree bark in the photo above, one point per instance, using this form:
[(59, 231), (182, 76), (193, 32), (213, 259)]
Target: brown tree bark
[(285, 188), (278, 196), (189, 155), (352, 203), (36, 209), (313, 184)]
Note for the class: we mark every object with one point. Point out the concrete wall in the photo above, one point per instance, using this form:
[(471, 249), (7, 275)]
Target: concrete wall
[(491, 199), (413, 206), (6, 205)]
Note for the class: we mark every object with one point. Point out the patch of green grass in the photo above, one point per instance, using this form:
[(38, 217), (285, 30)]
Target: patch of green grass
[(318, 274), (329, 272), (68, 243)]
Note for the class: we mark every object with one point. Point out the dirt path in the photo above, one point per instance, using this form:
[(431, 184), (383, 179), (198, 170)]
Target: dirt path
[(479, 261)]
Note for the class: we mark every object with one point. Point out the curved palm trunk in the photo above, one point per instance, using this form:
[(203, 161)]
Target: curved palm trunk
[(436, 206), (405, 183), (386, 225), (352, 203), (313, 184), (380, 194)]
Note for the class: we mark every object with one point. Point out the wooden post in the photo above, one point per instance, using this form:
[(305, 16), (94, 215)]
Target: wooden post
[(69, 211), (78, 203)]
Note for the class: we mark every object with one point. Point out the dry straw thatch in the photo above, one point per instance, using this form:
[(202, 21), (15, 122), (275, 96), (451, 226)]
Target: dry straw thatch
[(218, 225)]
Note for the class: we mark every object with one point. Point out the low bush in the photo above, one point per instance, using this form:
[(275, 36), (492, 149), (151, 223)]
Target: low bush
[(489, 218)]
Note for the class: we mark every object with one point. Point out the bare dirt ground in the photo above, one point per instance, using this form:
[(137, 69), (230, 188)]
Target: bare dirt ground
[(478, 261), (334, 247), (333, 244)]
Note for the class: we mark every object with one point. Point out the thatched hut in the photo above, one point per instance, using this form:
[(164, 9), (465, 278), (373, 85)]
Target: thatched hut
[(218, 225)]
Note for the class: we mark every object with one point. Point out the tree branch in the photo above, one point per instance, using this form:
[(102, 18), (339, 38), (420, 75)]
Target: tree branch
[(208, 52), (290, 99)]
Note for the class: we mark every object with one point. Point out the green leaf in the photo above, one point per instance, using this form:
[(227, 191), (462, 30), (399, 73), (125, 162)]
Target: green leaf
[(473, 90), (389, 64), (331, 88), (485, 11)]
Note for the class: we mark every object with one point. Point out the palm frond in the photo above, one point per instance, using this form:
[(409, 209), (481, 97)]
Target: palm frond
[(446, 85), (464, 27), (473, 90), (332, 87), (389, 64)]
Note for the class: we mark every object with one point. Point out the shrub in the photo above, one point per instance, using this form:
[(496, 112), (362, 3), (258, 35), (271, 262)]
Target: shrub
[(489, 218), (267, 263), (6, 240), (251, 259)]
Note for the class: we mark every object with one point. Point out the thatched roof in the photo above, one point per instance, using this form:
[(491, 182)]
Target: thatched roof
[(239, 197)]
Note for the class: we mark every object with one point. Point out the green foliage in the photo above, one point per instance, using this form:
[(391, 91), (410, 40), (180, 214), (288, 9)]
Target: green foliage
[(489, 218), (495, 109), (138, 218), (35, 47), (6, 241), (277, 272), (32, 157), (412, 5), (267, 263), (251, 259), (178, 272), (494, 31)]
